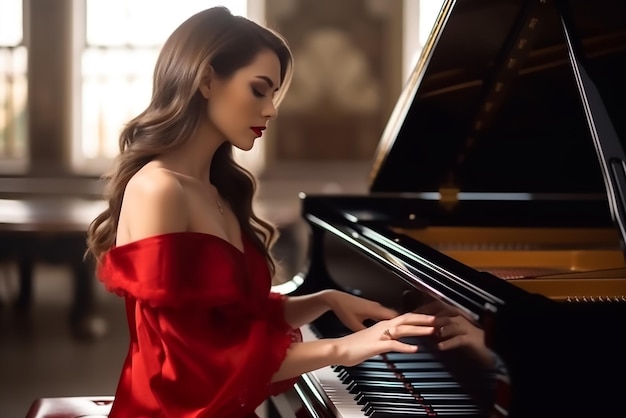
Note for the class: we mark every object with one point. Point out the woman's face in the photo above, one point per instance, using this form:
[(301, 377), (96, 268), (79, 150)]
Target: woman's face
[(240, 107)]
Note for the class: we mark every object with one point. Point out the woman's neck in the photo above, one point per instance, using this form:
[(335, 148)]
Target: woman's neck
[(194, 158)]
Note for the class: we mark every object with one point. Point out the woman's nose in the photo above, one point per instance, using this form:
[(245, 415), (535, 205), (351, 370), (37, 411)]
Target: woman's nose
[(270, 111)]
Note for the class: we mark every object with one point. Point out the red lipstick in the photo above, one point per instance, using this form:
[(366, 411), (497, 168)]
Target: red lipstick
[(258, 130)]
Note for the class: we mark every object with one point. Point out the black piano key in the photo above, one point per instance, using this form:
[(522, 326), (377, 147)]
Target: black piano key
[(370, 407), (405, 405), (398, 386), (404, 410), (382, 375), (440, 405), (435, 396), (422, 375), (369, 399), (408, 366), (455, 407), (429, 397), (416, 386), (381, 365), (447, 404), (363, 398), (404, 357), (409, 387), (388, 387), (407, 410), (462, 413), (369, 375), (396, 414)]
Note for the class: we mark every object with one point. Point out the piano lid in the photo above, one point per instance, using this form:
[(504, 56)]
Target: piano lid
[(492, 104)]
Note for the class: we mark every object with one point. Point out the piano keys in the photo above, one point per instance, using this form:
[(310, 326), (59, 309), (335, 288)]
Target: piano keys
[(497, 195), (394, 384)]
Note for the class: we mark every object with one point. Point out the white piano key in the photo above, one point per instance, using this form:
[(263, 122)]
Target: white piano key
[(327, 380)]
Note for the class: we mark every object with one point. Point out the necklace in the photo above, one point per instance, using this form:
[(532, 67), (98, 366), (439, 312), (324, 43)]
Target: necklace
[(219, 205)]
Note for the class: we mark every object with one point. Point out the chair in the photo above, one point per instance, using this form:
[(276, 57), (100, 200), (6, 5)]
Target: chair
[(71, 407)]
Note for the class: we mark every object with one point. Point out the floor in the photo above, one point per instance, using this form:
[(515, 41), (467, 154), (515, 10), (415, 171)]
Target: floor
[(39, 356)]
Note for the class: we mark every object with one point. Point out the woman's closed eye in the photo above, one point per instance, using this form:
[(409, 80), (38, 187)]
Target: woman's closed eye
[(257, 93)]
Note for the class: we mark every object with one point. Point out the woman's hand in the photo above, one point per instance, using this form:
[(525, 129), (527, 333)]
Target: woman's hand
[(452, 329), (456, 331), (352, 310), (383, 338)]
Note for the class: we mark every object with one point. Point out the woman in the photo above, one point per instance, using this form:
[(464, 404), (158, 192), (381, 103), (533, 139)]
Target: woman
[(181, 243)]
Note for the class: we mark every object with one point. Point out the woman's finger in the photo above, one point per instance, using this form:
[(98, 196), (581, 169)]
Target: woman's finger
[(400, 347), (382, 313), (377, 312), (402, 331), (454, 342), (413, 319), (442, 321), (446, 330)]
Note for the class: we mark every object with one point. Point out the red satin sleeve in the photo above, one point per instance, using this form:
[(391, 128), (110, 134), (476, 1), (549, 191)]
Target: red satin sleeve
[(276, 308), (206, 334)]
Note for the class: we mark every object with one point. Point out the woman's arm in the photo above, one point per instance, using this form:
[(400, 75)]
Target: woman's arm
[(300, 310), (354, 348), (351, 310)]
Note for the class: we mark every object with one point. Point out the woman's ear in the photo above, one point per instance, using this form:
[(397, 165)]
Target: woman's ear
[(205, 84)]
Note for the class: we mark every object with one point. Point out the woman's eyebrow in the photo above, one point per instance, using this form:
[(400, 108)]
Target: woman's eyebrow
[(267, 80)]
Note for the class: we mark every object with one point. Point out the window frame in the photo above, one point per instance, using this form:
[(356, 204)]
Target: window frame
[(80, 163), (20, 163)]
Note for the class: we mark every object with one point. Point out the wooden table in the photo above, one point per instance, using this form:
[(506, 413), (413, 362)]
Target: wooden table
[(53, 229)]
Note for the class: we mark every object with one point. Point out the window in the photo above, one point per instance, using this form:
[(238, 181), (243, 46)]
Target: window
[(415, 36), (121, 42), (13, 87)]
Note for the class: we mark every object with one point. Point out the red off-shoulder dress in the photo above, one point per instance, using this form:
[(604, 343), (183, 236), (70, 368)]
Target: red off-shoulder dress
[(206, 332)]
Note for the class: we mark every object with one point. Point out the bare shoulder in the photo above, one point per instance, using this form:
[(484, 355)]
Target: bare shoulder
[(154, 203)]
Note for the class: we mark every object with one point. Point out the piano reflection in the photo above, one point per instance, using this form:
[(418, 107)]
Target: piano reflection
[(496, 201)]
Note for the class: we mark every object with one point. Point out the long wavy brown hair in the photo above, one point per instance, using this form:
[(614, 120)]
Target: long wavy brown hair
[(216, 38)]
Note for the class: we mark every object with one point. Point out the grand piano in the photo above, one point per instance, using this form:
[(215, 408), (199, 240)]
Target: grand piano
[(497, 196)]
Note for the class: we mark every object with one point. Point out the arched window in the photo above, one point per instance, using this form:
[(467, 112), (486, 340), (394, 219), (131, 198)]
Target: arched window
[(13, 88)]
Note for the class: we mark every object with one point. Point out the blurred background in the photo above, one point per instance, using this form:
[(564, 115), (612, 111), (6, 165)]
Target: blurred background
[(73, 71)]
